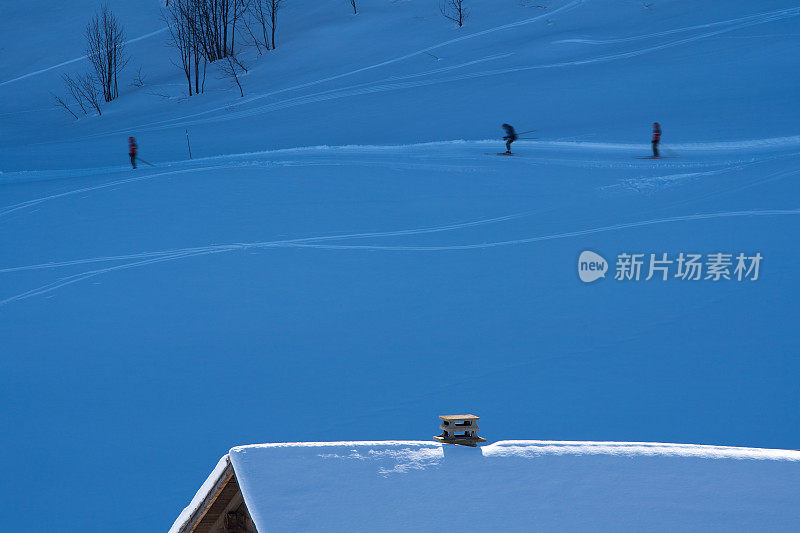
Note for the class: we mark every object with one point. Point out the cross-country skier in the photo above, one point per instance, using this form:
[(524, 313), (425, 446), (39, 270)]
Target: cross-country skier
[(656, 138), (132, 151), (510, 136)]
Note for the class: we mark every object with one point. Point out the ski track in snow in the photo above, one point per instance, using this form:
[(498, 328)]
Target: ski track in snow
[(389, 85), (386, 85), (75, 60), (312, 242), (566, 7), (36, 201), (758, 18), (238, 246), (383, 87), (555, 236), (397, 83), (772, 143), (656, 183), (247, 159)]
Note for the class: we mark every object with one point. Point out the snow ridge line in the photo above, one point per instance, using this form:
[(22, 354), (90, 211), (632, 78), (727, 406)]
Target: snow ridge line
[(20, 176), (533, 448), (159, 257), (772, 142)]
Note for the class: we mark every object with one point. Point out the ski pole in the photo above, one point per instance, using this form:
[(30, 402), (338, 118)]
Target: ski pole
[(524, 132), (145, 162)]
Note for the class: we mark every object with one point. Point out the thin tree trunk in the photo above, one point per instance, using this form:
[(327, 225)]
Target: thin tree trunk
[(273, 29)]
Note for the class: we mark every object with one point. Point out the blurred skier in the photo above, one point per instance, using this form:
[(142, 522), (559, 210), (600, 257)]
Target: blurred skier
[(510, 136), (656, 138), (133, 149)]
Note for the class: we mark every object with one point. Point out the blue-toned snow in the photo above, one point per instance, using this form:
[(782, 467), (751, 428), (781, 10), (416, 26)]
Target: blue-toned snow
[(342, 261), (518, 486)]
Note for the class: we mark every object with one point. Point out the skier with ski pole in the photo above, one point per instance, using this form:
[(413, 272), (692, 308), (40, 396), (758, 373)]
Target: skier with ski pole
[(509, 137), (133, 153), (133, 149)]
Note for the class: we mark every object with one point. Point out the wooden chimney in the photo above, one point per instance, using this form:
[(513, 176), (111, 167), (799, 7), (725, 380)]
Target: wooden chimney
[(460, 429)]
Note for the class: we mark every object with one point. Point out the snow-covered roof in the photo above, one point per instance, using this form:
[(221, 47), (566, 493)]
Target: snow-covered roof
[(516, 485)]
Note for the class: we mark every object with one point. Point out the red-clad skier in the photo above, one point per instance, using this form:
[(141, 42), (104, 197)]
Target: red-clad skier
[(132, 150), (656, 138)]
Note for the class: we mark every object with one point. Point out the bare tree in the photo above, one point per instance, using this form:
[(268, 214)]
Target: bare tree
[(265, 14), (60, 102), (214, 21), (185, 36), (258, 17), (181, 36), (197, 46), (239, 8), (355, 9), (272, 7), (454, 10), (105, 48)]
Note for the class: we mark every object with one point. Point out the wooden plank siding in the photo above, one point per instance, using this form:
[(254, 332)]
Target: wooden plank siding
[(224, 497)]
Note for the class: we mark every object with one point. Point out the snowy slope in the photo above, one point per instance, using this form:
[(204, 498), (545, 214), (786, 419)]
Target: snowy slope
[(341, 248), (518, 486), (582, 69)]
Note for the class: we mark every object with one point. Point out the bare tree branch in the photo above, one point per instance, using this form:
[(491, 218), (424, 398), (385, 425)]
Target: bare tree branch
[(454, 10), (85, 89), (74, 89), (91, 90), (232, 68), (60, 102), (139, 80), (248, 25), (265, 13), (258, 15)]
